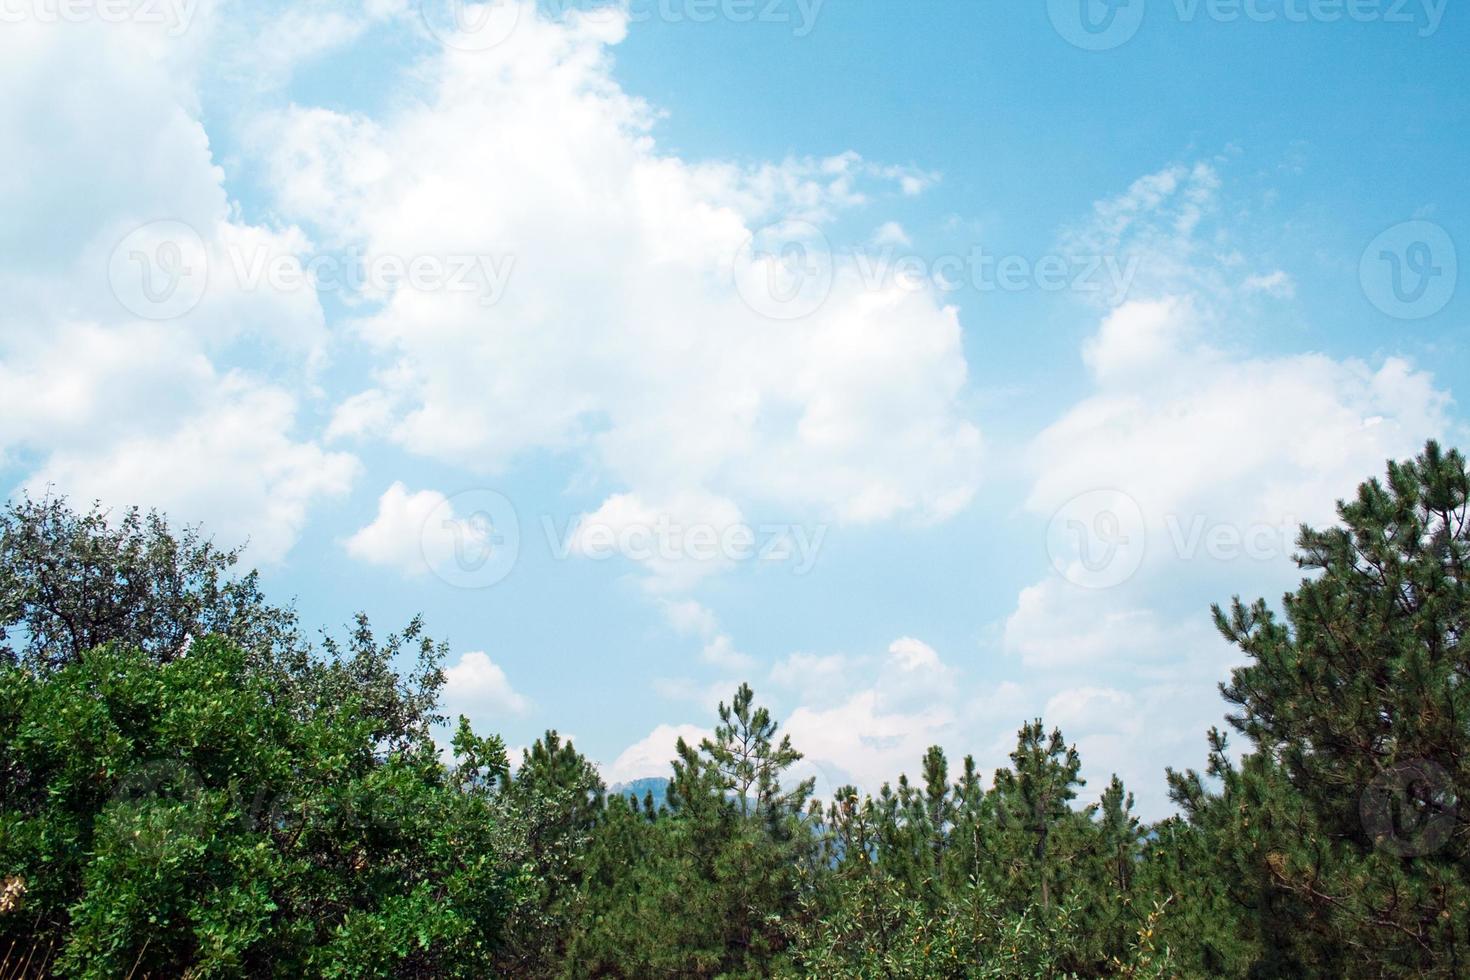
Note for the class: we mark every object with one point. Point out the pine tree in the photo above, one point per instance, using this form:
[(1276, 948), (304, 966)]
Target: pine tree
[(748, 761), (710, 886), (1346, 815), (554, 802), (1038, 794)]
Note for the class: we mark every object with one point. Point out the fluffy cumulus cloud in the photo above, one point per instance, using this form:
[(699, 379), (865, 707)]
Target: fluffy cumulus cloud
[(404, 534), (1058, 625), (678, 541), (590, 281), (1166, 424), (1183, 476), (136, 414), (228, 463), (128, 285), (1188, 458), (477, 687), (470, 540), (396, 536)]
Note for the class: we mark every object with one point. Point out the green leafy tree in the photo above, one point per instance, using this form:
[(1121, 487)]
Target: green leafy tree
[(181, 819), (70, 582)]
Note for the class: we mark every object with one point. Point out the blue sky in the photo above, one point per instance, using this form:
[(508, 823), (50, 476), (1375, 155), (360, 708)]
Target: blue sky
[(1019, 353)]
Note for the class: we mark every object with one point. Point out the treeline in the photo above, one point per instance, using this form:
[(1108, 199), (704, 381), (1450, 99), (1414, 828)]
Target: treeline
[(189, 786)]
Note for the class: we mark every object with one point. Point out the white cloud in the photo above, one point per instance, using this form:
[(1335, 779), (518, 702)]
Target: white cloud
[(1138, 336), (478, 688), (677, 541), (622, 299), (891, 233), (1278, 284), (813, 675), (864, 720), (1158, 222), (1187, 428), (913, 655), (861, 742), (95, 398), (720, 653), (471, 540), (397, 535), (1091, 708), (1056, 624), (229, 462), (1176, 440), (689, 616), (1218, 456)]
